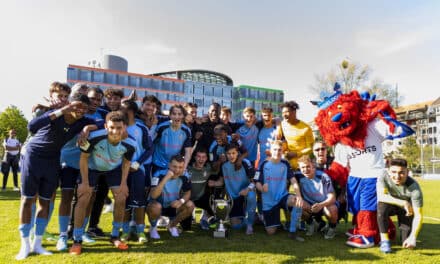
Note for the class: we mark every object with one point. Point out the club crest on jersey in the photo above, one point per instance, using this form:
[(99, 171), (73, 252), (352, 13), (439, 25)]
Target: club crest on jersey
[(66, 129)]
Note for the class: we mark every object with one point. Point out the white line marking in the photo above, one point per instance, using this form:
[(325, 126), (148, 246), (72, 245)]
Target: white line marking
[(432, 218)]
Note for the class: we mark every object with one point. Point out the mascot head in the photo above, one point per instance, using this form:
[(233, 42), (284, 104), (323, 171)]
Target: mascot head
[(342, 118)]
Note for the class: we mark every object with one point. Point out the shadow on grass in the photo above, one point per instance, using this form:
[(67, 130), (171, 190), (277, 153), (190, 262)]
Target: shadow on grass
[(314, 249), (9, 194)]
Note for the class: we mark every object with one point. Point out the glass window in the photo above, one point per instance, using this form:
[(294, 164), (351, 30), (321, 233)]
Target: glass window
[(127, 92), (262, 94), (98, 77), (243, 92), (257, 106), (208, 90), (227, 103), (167, 85), (198, 89), (189, 89), (110, 78), (218, 91), (253, 93), (177, 87), (85, 75), (156, 84), (226, 90), (134, 81), (145, 82), (199, 102), (207, 102), (72, 74), (162, 96), (123, 80)]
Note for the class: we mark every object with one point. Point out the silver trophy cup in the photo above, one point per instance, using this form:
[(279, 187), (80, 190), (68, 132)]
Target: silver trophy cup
[(221, 209)]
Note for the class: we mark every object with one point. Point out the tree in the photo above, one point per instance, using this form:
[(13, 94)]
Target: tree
[(12, 117), (354, 76), (410, 151)]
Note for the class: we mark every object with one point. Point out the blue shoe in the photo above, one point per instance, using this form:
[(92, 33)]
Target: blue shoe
[(385, 246), (204, 225)]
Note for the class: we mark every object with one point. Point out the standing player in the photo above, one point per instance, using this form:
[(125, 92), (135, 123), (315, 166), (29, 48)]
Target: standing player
[(12, 148), (41, 164), (137, 180), (106, 154), (173, 138)]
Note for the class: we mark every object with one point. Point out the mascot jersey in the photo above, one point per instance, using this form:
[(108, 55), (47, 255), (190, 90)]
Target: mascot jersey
[(367, 162)]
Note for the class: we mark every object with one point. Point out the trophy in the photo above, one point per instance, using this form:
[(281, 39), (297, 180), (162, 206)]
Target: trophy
[(221, 209)]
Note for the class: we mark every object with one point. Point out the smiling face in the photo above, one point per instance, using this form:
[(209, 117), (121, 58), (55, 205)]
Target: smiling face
[(398, 174), (307, 169), (176, 116), (115, 130)]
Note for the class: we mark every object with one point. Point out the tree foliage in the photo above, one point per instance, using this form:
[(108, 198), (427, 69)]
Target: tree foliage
[(410, 151), (354, 76), (12, 117)]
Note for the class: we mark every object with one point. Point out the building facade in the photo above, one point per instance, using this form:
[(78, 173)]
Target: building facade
[(177, 87)]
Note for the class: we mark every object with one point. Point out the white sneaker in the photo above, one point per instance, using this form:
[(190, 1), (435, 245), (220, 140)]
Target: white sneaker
[(163, 221), (37, 247), (153, 233), (249, 230), (16, 189), (25, 249), (174, 231), (108, 208)]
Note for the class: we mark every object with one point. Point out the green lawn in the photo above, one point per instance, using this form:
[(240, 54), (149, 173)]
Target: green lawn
[(199, 247)]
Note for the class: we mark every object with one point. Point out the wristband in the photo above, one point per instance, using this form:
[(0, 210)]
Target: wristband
[(251, 186), (58, 113), (182, 200), (135, 165)]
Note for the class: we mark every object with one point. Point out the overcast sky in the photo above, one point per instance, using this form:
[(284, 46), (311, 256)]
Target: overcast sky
[(274, 44)]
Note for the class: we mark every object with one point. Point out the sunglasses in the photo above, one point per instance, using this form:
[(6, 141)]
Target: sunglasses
[(319, 149)]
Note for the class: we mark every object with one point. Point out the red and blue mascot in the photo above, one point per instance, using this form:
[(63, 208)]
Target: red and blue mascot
[(356, 125)]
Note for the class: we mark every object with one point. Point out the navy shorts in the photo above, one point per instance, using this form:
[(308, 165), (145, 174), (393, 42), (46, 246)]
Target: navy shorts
[(112, 178), (148, 175), (169, 211), (238, 207), (272, 216), (136, 189), (39, 176), (68, 178)]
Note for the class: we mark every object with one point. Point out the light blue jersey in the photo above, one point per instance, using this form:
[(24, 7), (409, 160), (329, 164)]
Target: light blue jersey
[(276, 175), (172, 189), (249, 137), (105, 156), (144, 146), (170, 142), (265, 134), (315, 190), (237, 180)]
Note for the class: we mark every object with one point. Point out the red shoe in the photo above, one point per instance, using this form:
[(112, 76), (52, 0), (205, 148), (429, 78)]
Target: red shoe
[(75, 249), (118, 243), (360, 241)]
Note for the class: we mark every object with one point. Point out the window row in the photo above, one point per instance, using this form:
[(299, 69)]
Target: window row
[(124, 80)]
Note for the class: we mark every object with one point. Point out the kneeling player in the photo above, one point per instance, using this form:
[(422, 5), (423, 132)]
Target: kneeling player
[(271, 179), (166, 187)]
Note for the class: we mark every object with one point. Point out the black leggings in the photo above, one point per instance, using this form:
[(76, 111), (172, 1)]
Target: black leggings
[(385, 210), (11, 162)]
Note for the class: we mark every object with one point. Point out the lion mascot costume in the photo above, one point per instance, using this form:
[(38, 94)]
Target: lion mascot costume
[(356, 125)]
